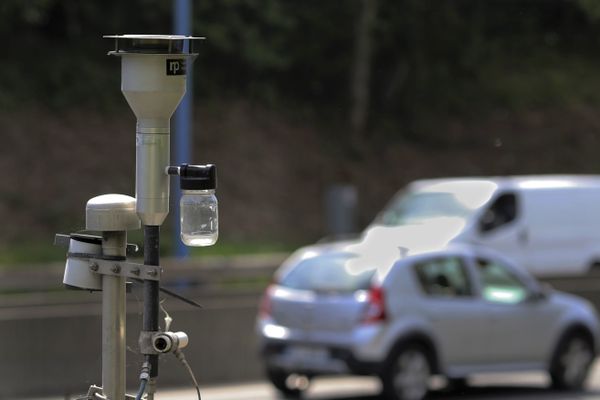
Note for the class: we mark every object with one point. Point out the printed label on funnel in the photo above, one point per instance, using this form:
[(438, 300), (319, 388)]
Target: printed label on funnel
[(175, 67)]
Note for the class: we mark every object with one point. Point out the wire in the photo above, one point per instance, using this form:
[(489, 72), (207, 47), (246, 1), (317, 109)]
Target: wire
[(173, 294), (180, 297), (178, 353), (142, 389), (168, 319), (181, 357), (144, 376)]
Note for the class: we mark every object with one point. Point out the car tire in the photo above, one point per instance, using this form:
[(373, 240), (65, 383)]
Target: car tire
[(407, 373), (280, 380), (571, 362), (456, 384)]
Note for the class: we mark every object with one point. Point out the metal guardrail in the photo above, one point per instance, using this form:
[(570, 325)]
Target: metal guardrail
[(208, 272)]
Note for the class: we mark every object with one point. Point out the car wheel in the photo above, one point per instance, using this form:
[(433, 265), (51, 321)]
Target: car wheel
[(571, 362), (456, 384), (407, 374), (285, 383)]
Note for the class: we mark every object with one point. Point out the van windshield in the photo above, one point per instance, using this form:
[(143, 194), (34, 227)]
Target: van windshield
[(448, 199), (330, 273)]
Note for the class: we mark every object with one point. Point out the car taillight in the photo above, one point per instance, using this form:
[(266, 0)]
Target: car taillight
[(375, 311), (265, 303)]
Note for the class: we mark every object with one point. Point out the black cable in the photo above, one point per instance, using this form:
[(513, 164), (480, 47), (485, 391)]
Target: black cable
[(180, 297), (173, 294)]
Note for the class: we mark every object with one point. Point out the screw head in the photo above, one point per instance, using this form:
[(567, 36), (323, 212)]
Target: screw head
[(135, 271), (94, 266), (116, 268), (152, 272)]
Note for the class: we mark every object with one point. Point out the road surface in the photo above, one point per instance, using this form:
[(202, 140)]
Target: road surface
[(525, 386), (489, 387)]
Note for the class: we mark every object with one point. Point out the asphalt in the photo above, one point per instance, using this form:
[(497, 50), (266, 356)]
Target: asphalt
[(522, 386)]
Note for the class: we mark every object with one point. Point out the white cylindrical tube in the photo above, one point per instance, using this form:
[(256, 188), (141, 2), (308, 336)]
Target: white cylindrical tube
[(151, 182)]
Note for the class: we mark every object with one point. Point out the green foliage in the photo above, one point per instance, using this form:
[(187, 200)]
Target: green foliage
[(461, 57), (591, 8), (38, 252)]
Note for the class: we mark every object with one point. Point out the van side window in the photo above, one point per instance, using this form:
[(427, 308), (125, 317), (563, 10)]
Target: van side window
[(502, 211), (445, 277)]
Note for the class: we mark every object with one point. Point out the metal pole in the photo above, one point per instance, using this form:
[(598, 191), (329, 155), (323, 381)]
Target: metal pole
[(113, 320), (151, 297), (182, 21)]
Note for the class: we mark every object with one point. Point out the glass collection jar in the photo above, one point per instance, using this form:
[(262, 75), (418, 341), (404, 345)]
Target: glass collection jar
[(199, 212), (199, 208)]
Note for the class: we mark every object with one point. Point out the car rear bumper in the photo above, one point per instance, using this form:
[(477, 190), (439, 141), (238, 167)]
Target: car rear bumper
[(314, 359)]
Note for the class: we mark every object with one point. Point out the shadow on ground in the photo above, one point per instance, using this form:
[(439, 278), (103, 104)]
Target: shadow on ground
[(489, 393)]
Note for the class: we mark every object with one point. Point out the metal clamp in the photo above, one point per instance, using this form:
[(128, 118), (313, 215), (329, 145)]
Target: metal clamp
[(62, 240), (146, 341), (96, 393), (126, 269)]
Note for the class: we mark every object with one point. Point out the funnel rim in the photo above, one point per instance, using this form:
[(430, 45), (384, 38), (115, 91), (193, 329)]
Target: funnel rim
[(149, 53), (153, 44), (153, 37)]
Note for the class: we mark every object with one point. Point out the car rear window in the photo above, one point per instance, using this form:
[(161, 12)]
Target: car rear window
[(332, 273)]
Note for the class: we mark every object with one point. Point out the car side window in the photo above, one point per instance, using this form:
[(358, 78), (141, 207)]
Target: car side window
[(499, 284), (501, 212), (446, 277)]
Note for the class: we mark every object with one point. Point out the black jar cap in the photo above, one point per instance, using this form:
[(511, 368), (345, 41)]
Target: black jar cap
[(198, 177)]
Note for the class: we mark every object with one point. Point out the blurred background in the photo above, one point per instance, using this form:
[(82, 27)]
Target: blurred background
[(292, 99)]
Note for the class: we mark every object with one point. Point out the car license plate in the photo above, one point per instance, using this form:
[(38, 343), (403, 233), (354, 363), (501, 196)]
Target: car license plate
[(308, 354)]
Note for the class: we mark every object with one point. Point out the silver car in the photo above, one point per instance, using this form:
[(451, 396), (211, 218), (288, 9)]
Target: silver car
[(454, 312)]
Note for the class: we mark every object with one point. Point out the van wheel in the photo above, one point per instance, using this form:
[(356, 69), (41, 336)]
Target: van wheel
[(291, 386), (407, 374), (594, 267), (571, 362)]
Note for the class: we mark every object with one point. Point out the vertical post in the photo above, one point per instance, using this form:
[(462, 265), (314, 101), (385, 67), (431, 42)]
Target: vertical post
[(182, 21), (151, 295), (113, 320)]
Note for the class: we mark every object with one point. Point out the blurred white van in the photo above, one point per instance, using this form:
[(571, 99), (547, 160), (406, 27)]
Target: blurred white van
[(548, 224)]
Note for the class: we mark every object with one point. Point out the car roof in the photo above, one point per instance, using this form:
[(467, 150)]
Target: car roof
[(530, 182), (385, 256), (404, 258)]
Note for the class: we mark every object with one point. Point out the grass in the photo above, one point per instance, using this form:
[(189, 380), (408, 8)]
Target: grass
[(30, 253), (41, 252), (237, 248)]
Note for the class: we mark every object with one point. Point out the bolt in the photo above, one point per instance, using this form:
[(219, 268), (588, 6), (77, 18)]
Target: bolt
[(116, 268), (152, 272), (135, 271), (94, 266)]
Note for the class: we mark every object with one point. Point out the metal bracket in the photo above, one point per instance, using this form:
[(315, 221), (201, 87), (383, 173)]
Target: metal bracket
[(126, 269), (96, 393), (62, 240), (145, 342)]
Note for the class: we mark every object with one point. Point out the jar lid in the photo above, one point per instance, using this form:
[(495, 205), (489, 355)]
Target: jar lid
[(198, 177)]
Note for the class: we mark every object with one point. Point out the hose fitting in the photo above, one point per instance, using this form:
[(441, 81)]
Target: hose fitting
[(165, 342)]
